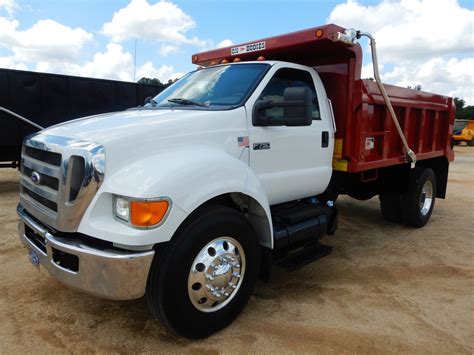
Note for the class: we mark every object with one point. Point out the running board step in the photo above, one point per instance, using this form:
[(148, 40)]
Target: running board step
[(298, 259)]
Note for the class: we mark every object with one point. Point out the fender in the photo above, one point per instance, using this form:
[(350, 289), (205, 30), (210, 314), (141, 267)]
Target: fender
[(189, 176)]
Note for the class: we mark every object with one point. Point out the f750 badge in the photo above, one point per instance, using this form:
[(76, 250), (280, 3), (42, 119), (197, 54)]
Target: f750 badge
[(261, 146)]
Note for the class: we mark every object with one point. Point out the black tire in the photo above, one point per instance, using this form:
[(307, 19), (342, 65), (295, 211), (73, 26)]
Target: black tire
[(470, 143), (390, 207), (167, 289), (411, 200)]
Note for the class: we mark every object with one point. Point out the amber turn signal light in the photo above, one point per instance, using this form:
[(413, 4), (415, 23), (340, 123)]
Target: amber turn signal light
[(147, 213), (319, 33)]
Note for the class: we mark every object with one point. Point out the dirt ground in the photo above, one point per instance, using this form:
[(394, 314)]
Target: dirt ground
[(386, 288)]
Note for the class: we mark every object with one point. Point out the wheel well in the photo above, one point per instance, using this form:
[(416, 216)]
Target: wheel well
[(251, 209), (440, 166), (391, 179)]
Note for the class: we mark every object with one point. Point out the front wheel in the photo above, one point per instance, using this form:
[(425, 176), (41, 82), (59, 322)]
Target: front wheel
[(201, 281)]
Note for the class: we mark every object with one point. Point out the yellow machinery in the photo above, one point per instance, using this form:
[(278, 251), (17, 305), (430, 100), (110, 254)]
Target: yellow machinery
[(466, 135)]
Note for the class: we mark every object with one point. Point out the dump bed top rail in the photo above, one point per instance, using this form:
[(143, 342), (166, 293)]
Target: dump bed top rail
[(312, 47)]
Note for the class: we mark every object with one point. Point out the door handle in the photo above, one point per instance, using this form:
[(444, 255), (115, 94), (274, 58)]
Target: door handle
[(325, 139)]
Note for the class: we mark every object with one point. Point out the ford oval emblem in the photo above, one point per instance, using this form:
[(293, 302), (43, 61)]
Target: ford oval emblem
[(35, 177)]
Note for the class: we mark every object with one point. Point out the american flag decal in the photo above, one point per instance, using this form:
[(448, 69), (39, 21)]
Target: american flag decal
[(243, 141)]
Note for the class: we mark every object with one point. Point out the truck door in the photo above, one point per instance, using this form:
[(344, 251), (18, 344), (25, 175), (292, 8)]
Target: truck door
[(291, 162)]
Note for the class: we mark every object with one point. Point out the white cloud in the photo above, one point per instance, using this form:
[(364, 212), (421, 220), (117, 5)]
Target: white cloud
[(368, 70), (427, 42), (163, 21), (163, 73), (47, 40), (10, 6), (411, 29), (114, 63), (167, 49), (225, 43), (49, 46), (11, 63), (452, 77)]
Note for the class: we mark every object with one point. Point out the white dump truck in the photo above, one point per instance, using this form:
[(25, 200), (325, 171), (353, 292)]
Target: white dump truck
[(232, 169)]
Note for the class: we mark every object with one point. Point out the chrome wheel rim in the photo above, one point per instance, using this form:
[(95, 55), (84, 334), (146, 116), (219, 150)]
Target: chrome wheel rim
[(216, 274), (426, 199)]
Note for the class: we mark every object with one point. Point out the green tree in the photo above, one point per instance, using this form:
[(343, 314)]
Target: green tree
[(459, 103), (466, 113), (154, 81)]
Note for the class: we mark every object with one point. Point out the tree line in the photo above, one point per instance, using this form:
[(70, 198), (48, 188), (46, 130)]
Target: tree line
[(463, 112), (156, 82)]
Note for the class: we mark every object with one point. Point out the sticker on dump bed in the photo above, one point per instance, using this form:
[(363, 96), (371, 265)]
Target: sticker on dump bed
[(252, 47), (369, 143)]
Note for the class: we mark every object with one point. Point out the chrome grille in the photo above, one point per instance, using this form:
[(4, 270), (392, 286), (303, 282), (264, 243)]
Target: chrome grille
[(59, 178)]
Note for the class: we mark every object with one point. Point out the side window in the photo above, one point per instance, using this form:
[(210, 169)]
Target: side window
[(287, 78)]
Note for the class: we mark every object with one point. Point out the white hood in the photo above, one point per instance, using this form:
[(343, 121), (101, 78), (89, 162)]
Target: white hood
[(133, 135), (108, 127)]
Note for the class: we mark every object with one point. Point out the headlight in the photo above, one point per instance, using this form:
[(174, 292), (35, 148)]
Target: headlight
[(122, 209), (141, 213)]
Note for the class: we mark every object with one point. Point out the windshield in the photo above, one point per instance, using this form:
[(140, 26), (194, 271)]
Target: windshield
[(221, 86)]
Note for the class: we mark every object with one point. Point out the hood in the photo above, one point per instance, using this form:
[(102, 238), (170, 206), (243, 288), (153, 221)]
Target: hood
[(108, 127), (134, 135)]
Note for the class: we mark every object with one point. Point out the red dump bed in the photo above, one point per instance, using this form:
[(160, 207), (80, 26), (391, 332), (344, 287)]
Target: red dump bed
[(366, 137)]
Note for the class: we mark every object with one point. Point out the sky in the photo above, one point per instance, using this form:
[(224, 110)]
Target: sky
[(420, 42)]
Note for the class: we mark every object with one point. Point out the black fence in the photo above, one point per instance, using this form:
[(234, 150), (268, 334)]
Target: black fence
[(48, 99)]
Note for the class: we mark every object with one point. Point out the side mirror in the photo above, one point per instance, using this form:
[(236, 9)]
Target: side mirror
[(297, 109), (148, 100)]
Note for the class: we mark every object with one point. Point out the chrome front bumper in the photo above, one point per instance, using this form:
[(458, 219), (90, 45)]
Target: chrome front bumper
[(112, 273)]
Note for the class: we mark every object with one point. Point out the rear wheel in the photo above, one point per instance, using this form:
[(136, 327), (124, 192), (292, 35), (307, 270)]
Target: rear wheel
[(470, 143), (201, 281), (417, 204)]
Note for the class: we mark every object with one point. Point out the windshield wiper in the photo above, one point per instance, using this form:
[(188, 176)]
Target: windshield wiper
[(179, 100)]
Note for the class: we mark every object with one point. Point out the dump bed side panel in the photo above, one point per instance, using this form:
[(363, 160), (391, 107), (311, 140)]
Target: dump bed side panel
[(368, 139)]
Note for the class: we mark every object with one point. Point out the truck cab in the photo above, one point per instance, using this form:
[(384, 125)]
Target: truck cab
[(234, 168)]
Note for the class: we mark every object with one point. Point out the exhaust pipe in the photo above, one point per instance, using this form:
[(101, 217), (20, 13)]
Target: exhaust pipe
[(350, 36)]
